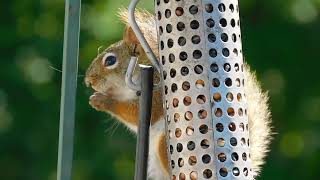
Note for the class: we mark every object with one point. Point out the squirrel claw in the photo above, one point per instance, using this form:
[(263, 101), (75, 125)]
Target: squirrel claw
[(98, 101)]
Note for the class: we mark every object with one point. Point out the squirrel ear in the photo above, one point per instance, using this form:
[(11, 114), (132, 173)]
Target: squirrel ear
[(129, 37)]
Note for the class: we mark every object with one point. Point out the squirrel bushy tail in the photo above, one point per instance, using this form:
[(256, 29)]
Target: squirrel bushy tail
[(258, 110), (147, 23)]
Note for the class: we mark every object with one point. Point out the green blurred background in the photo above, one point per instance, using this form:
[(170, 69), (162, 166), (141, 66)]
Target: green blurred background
[(280, 41)]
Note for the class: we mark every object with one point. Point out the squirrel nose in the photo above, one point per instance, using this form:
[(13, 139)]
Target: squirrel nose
[(90, 80), (87, 81)]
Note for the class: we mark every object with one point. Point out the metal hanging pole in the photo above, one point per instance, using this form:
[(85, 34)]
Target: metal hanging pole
[(145, 100), (68, 89), (145, 106)]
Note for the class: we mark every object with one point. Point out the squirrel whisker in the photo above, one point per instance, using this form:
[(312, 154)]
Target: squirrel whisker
[(56, 69)]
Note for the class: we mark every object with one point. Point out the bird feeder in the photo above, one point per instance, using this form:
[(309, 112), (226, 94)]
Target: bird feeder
[(202, 68)]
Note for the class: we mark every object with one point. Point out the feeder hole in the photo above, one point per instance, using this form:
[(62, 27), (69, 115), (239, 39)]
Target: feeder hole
[(176, 117), (182, 176), (178, 132), (173, 73), (224, 37), (245, 171), (179, 147), (181, 26), (171, 58), (244, 156), (214, 67), (175, 102), (233, 141), (221, 142), (212, 38), (206, 159), (209, 8), (207, 173), (198, 69), (191, 145), (199, 84), (169, 28), (193, 175), (223, 22), (159, 15), (193, 9), (235, 171), (227, 67), (223, 172), (194, 24), (183, 56), (232, 126), (203, 129), (219, 127), (179, 11), (167, 13), (189, 130), (210, 23), (172, 164), (197, 54), (202, 114), (195, 39), (182, 41), (222, 157), (241, 127), (174, 87), (222, 7), (230, 112), (213, 53), (239, 97), (228, 82), (184, 71), (204, 144), (188, 115), (180, 162), (186, 86), (218, 112), (234, 156), (187, 100), (170, 43), (217, 97), (201, 99), (192, 160), (215, 82), (243, 141)]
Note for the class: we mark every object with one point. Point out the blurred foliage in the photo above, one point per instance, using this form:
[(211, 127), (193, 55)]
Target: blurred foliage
[(280, 41)]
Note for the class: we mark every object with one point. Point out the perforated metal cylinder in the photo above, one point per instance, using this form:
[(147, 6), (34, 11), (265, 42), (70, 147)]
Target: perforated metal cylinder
[(207, 123)]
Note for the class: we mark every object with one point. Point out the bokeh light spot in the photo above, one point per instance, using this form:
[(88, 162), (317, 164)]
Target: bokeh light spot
[(304, 11), (292, 144)]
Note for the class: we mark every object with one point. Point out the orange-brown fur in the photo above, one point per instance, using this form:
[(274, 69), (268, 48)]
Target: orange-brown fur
[(162, 152)]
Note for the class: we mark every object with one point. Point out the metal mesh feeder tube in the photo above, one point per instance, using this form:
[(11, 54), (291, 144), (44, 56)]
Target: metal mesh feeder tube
[(206, 111)]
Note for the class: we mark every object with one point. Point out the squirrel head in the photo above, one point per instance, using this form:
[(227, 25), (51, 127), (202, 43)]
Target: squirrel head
[(106, 74)]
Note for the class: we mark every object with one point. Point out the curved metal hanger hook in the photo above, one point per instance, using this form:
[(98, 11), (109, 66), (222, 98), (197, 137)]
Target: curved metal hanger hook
[(137, 31), (133, 61), (135, 84), (129, 75)]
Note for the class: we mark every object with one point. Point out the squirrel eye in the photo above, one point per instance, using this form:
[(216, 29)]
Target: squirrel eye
[(109, 60)]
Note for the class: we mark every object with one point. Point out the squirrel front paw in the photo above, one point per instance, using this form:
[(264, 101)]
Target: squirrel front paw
[(99, 101)]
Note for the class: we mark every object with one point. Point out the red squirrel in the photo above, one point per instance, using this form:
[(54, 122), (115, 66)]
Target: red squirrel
[(106, 75)]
